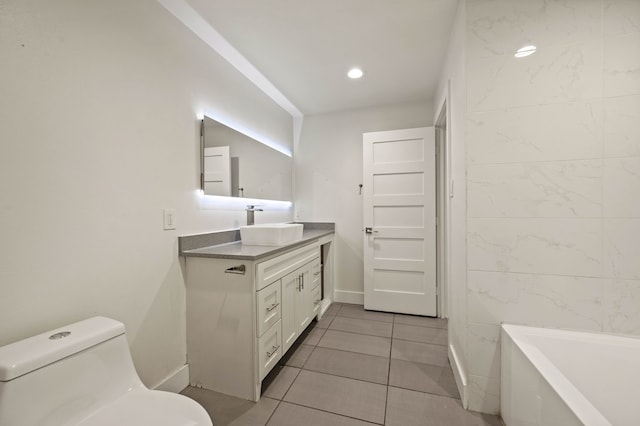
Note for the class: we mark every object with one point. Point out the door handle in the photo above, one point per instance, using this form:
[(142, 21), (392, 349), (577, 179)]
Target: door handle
[(370, 230)]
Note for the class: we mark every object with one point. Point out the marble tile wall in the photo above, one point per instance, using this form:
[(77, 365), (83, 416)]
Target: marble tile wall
[(553, 173)]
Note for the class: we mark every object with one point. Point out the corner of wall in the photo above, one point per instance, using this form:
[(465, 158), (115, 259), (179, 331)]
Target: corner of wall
[(175, 382), (459, 374)]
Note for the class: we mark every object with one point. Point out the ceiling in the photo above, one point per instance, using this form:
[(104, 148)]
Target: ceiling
[(305, 48)]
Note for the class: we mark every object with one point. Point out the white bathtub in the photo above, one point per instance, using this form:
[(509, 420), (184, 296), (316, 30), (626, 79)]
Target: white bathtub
[(558, 377)]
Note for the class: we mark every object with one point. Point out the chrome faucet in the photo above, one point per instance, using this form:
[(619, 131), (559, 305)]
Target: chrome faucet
[(250, 214)]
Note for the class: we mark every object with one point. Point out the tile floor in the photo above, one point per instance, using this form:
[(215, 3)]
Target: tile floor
[(356, 367)]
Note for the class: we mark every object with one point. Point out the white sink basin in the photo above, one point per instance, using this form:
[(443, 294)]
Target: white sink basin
[(273, 234)]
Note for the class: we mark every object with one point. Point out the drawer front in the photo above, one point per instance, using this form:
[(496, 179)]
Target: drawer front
[(269, 350), (276, 268), (316, 299), (269, 307)]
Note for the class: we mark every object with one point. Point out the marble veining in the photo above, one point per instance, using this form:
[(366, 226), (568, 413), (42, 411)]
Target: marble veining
[(484, 393), (499, 28), (622, 307), (622, 65), (621, 238), (545, 246), (556, 189), (482, 340), (553, 172), (622, 178), (622, 126), (567, 301), (552, 75), (536, 133), (621, 16)]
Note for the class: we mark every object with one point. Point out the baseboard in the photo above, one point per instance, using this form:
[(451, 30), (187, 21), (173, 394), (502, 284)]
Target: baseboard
[(176, 381), (459, 375), (354, 297)]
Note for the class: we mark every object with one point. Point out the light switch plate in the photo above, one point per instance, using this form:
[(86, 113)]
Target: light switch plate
[(169, 219)]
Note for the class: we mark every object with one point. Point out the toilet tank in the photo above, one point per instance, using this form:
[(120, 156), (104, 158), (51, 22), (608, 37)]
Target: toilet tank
[(61, 376)]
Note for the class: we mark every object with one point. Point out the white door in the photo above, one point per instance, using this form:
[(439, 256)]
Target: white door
[(400, 221)]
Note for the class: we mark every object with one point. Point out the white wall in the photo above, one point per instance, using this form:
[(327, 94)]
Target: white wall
[(99, 104), (452, 90), (328, 170), (553, 173)]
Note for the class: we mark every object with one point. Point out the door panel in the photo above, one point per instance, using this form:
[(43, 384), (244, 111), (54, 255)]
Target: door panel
[(289, 323), (399, 207), (304, 305)]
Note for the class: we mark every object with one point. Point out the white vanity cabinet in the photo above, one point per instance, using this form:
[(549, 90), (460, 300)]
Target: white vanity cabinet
[(243, 316)]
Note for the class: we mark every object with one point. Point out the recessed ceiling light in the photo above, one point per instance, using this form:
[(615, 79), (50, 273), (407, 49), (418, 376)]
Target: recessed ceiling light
[(355, 73), (525, 51)]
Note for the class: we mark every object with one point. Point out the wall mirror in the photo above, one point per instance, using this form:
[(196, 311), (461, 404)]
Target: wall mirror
[(235, 165)]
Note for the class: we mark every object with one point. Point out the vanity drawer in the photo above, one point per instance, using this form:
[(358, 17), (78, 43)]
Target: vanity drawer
[(269, 307), (316, 299), (276, 268), (269, 350)]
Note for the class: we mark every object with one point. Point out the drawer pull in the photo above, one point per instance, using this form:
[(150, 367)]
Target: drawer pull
[(316, 273), (273, 351), (316, 302), (272, 307)]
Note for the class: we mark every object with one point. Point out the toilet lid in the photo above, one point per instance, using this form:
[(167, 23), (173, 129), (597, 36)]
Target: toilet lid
[(147, 407)]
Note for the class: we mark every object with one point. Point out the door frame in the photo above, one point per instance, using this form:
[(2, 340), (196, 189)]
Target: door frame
[(444, 193)]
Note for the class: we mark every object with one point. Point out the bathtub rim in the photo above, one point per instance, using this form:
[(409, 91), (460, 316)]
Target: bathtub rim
[(579, 405)]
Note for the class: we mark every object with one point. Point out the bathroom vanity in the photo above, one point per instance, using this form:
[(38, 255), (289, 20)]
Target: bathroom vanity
[(247, 305)]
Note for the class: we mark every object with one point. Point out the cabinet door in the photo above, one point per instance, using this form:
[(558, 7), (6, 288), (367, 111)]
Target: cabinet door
[(304, 305), (289, 295)]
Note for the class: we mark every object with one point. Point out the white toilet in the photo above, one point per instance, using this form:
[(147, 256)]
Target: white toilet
[(82, 374)]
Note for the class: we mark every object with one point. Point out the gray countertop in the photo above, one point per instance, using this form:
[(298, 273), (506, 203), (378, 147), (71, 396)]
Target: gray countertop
[(237, 250)]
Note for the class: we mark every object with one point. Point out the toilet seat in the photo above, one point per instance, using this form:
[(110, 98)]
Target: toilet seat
[(146, 407)]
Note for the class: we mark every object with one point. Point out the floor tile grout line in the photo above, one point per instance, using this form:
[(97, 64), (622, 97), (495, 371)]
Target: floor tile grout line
[(344, 377), (420, 341), (350, 378), (422, 326), (364, 319), (362, 334), (331, 412), (352, 352), (292, 382), (273, 412), (393, 321), (428, 393), (386, 398)]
